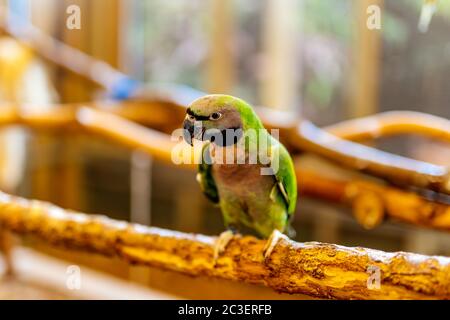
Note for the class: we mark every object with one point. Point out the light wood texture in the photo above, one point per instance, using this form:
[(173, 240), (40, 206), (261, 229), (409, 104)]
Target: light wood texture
[(366, 57), (220, 72), (280, 38), (316, 269)]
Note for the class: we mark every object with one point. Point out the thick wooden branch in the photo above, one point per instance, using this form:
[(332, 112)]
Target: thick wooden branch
[(316, 269)]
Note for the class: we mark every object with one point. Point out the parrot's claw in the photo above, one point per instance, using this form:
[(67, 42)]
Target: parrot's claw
[(271, 243), (221, 243)]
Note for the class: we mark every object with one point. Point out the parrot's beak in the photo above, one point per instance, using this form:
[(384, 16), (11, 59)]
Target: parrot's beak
[(188, 132), (192, 130)]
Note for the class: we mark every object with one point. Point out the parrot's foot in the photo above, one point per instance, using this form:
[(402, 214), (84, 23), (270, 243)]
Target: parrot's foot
[(271, 243), (221, 243)]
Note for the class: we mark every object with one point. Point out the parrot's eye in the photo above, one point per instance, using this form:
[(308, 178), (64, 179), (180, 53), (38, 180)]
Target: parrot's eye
[(215, 116), (191, 117)]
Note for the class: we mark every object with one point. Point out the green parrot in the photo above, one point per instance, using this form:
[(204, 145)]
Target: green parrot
[(244, 170)]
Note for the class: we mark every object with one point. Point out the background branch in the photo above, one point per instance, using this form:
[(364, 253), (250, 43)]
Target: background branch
[(394, 168), (371, 202), (392, 123), (304, 137)]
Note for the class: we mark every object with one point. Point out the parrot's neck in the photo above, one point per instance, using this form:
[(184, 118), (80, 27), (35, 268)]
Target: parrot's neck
[(246, 150), (227, 154)]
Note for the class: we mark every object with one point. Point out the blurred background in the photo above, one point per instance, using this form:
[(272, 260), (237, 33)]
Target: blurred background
[(314, 57)]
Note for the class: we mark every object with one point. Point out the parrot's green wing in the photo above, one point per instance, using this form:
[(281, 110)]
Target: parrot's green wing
[(285, 175), (205, 178)]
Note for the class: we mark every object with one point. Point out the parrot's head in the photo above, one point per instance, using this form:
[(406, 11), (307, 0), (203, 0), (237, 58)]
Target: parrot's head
[(217, 115)]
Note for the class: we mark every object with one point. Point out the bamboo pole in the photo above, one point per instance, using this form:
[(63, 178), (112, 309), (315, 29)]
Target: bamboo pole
[(316, 269)]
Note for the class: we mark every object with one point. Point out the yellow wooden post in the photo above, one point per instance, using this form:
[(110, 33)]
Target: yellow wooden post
[(366, 57), (98, 37), (221, 64), (74, 88), (103, 15), (281, 64)]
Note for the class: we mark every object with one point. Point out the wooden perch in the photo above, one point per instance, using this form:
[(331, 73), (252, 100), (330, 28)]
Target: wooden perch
[(316, 269), (372, 203), (392, 123), (394, 168)]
